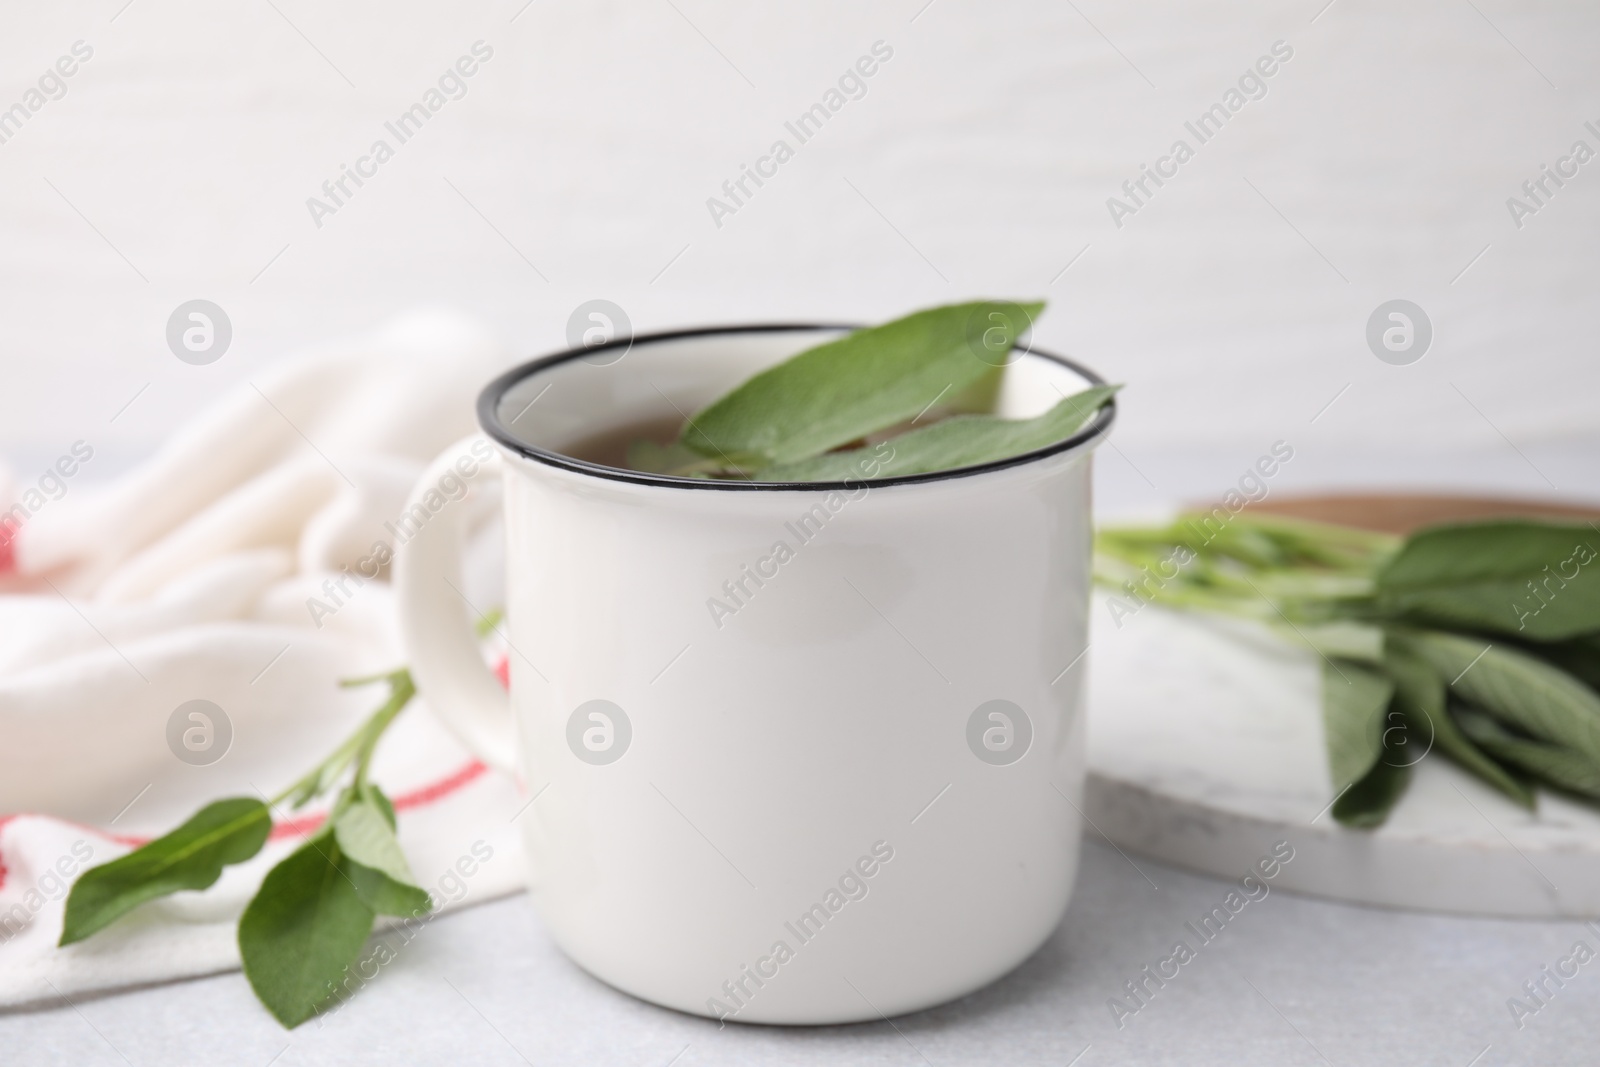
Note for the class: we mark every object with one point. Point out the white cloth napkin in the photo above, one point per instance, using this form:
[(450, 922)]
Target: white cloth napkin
[(212, 572)]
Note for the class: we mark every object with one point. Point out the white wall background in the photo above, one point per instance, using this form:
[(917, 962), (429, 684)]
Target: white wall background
[(1380, 160)]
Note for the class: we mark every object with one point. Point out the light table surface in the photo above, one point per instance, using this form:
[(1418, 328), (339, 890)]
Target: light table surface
[(1290, 980)]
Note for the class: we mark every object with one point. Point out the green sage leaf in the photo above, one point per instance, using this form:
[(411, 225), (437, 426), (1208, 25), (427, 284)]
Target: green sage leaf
[(375, 796), (1366, 751), (863, 382), (1368, 802), (364, 830), (1560, 767), (1514, 686), (959, 441), (1420, 696), (1530, 579), (1579, 657), (1354, 699), (191, 857), (302, 930)]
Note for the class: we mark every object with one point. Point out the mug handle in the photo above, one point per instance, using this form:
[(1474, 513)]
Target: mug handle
[(436, 628)]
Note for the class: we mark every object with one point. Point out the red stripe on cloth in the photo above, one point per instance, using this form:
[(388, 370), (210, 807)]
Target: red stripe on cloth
[(6, 820), (417, 798), (420, 797), (8, 563), (121, 839)]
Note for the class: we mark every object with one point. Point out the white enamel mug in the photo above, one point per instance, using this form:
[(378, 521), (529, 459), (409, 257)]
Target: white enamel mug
[(801, 753)]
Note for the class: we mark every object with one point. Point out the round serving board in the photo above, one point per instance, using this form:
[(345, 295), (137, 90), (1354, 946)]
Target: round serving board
[(1205, 750)]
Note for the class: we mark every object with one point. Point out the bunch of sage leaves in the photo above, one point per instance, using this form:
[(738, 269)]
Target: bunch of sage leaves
[(1479, 640), (924, 384)]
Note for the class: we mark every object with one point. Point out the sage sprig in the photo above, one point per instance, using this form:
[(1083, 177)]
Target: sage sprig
[(315, 909), (926, 383), (1479, 641)]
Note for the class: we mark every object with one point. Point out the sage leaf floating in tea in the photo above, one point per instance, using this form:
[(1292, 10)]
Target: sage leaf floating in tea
[(913, 396), (956, 442), (861, 383)]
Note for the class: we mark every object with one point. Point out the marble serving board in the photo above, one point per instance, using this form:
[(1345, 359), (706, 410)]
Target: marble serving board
[(1206, 749)]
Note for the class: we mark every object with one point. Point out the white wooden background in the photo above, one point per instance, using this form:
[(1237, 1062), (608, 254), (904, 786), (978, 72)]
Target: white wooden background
[(578, 165)]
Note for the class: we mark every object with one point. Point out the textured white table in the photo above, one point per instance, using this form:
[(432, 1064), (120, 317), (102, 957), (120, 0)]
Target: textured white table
[(1290, 981)]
